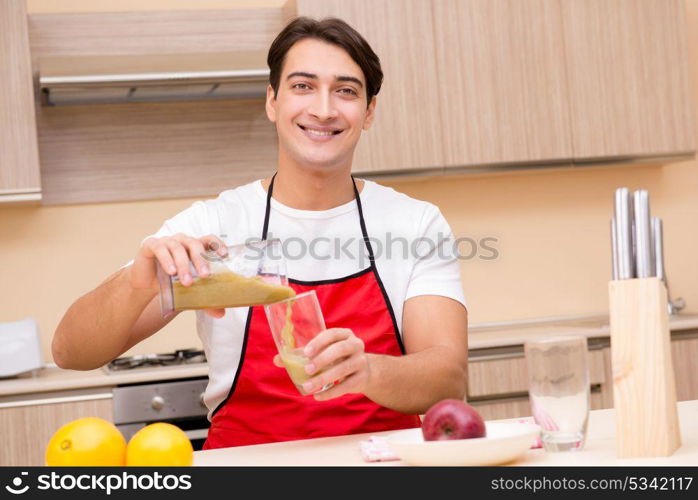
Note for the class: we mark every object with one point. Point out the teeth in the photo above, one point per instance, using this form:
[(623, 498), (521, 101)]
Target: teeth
[(318, 132)]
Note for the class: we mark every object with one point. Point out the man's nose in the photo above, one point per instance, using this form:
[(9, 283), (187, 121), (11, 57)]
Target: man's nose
[(323, 107)]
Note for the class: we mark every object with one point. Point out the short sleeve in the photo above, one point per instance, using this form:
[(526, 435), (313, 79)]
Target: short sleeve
[(436, 270), (195, 221)]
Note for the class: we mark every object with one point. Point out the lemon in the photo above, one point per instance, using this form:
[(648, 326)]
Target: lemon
[(159, 444), (87, 441)]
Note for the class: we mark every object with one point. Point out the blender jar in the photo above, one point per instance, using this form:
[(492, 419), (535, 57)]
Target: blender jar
[(251, 274)]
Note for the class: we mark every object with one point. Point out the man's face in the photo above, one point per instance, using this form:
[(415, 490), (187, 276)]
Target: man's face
[(320, 108)]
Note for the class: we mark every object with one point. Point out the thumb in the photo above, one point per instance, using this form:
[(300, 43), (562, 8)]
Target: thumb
[(278, 362)]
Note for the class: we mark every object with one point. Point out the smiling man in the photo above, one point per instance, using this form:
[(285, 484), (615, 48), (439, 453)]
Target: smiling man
[(397, 324)]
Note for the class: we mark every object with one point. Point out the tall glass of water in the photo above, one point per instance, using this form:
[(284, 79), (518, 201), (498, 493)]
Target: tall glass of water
[(558, 388)]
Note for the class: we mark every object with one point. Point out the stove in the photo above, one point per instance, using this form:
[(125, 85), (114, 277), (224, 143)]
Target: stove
[(176, 401), (139, 361)]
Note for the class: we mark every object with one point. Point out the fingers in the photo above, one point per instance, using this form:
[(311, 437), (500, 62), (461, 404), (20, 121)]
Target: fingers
[(278, 362), (165, 259), (179, 255), (352, 383), (195, 251), (214, 244), (347, 386), (324, 339), (335, 352), (342, 370), (181, 260), (174, 254)]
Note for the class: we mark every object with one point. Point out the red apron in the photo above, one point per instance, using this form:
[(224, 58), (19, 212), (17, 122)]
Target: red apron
[(263, 405)]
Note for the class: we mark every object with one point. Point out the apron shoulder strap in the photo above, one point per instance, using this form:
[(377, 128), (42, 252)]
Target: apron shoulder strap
[(367, 241), (265, 228), (364, 233)]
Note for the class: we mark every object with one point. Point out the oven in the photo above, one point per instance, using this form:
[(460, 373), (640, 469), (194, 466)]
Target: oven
[(179, 402)]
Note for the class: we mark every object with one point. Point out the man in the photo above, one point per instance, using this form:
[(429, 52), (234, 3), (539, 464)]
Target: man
[(397, 324)]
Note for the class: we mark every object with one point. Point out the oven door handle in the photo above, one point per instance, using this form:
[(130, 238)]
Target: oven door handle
[(197, 434)]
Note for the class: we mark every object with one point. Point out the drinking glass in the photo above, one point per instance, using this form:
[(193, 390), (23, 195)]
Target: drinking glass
[(294, 322), (558, 388)]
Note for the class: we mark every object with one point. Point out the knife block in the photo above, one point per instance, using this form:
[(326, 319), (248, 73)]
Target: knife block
[(644, 389)]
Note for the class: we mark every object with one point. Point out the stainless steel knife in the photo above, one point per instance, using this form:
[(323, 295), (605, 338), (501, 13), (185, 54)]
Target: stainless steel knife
[(673, 307), (644, 262), (614, 250), (658, 240), (624, 236)]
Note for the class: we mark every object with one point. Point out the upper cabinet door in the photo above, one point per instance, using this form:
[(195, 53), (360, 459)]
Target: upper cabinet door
[(19, 157), (407, 131), (501, 81), (629, 81)]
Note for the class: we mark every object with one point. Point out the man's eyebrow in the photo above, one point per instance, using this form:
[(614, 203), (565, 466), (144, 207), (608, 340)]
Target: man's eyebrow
[(343, 78), (302, 73), (312, 76)]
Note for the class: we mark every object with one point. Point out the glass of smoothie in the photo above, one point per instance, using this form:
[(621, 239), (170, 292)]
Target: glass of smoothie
[(251, 274), (294, 322)]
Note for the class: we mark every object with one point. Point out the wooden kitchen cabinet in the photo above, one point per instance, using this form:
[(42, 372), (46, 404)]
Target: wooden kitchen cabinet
[(519, 407), (629, 81), (124, 152), (408, 130), (501, 81), (468, 82), (498, 382), (19, 157), (29, 424), (473, 83)]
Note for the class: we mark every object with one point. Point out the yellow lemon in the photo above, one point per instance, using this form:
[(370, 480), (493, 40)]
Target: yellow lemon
[(159, 444), (87, 441)]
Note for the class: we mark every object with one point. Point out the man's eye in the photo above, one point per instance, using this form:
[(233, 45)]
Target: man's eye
[(301, 86), (348, 91)]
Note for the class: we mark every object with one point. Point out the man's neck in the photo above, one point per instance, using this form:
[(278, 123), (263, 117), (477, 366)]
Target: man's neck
[(307, 190)]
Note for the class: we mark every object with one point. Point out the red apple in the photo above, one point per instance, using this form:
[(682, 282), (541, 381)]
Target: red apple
[(452, 419)]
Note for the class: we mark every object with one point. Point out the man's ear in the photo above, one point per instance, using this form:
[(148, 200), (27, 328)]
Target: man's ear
[(370, 114), (269, 106)]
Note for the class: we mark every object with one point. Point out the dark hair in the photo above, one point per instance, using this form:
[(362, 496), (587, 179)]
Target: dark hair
[(330, 30)]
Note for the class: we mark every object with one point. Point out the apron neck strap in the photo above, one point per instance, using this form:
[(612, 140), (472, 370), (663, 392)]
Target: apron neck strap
[(367, 242), (267, 210)]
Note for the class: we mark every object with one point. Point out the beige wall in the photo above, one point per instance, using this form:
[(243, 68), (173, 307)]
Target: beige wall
[(552, 229)]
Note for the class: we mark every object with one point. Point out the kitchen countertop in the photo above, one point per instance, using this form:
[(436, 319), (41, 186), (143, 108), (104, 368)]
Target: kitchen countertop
[(599, 449), (481, 336), (509, 334), (53, 378)]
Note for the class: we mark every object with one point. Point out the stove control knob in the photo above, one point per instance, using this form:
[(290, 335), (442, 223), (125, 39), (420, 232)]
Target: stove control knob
[(201, 400), (157, 402)]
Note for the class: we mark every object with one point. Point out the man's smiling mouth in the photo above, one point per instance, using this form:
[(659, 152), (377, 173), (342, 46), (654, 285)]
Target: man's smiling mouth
[(320, 133)]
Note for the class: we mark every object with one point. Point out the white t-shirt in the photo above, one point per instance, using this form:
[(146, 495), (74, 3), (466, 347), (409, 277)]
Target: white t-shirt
[(412, 244)]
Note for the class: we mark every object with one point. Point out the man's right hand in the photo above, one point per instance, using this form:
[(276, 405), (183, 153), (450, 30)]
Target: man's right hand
[(173, 254)]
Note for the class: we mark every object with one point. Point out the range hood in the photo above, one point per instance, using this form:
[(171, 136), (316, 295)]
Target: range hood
[(145, 78)]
